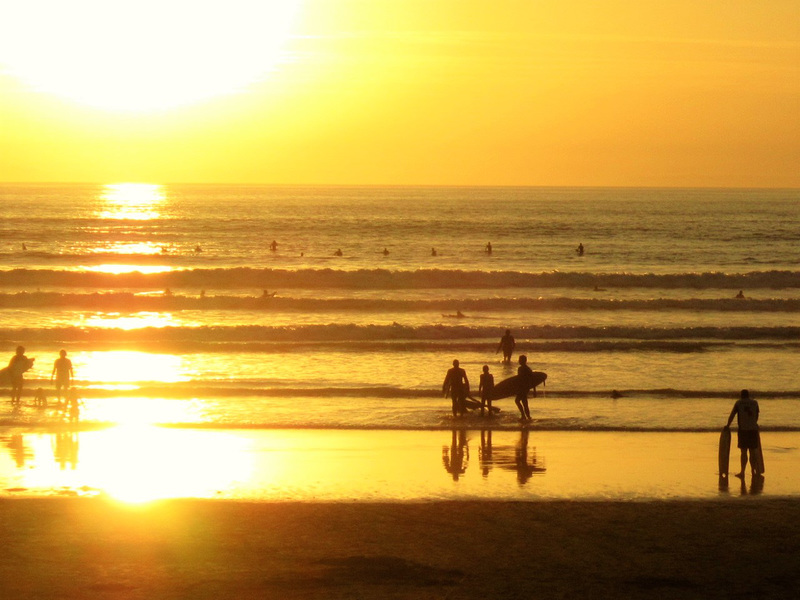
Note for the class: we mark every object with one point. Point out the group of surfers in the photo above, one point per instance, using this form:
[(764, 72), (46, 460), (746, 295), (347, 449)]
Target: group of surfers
[(456, 382)]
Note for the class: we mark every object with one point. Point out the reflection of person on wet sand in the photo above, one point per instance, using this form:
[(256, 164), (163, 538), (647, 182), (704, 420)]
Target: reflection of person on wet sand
[(18, 364), (485, 452), (73, 407), (66, 449), (746, 411), (525, 376), (525, 469), (485, 388), (456, 459), (456, 384), (62, 373), (507, 345)]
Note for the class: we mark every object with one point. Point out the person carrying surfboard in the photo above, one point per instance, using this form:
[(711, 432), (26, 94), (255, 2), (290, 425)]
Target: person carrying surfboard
[(507, 345), (746, 411), (18, 364), (525, 375), (457, 385)]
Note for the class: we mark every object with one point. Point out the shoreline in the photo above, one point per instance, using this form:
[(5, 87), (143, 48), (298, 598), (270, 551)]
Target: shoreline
[(82, 548)]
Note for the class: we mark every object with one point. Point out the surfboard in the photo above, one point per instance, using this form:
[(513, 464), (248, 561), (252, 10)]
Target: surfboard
[(5, 377), (724, 451), (510, 387), (758, 457), (475, 404), (21, 366)]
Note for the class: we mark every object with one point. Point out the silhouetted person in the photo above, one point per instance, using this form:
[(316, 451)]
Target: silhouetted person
[(489, 248), (273, 246), (746, 412), (525, 377), (507, 345), (385, 252), (24, 247), (457, 385), (485, 388), (740, 295), (265, 294), (62, 373), (338, 252), (579, 250), (18, 364), (433, 251), (198, 249)]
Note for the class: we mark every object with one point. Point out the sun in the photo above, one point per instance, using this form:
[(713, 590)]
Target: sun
[(143, 55)]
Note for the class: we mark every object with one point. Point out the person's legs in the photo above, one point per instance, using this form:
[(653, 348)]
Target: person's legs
[(743, 461)]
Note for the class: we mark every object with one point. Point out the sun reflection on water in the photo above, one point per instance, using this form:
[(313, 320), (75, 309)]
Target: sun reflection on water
[(133, 201), (126, 366), (131, 321)]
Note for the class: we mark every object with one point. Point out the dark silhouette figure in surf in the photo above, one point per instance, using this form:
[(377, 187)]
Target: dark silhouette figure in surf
[(338, 252), (485, 388), (433, 252), (24, 247), (489, 248), (62, 373), (579, 250), (456, 384), (273, 246), (18, 364), (507, 345), (456, 458), (740, 295), (198, 249), (525, 378), (746, 412), (266, 294), (385, 252)]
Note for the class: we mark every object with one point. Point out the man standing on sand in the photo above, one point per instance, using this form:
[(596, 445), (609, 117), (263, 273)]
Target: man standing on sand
[(457, 384), (62, 372), (746, 411), (507, 345), (525, 378)]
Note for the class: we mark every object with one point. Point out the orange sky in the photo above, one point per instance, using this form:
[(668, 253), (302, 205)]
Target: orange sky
[(454, 92)]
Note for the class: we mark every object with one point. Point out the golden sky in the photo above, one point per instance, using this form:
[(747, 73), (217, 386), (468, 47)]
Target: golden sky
[(452, 92)]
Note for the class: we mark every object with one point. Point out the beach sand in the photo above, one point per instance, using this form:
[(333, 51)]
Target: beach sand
[(95, 548)]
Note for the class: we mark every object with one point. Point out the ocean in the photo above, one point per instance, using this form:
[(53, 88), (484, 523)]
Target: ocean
[(178, 311)]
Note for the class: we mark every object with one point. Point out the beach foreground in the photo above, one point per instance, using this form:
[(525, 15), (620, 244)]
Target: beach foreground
[(93, 548)]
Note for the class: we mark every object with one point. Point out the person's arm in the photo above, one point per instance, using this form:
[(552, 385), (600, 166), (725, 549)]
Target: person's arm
[(733, 414)]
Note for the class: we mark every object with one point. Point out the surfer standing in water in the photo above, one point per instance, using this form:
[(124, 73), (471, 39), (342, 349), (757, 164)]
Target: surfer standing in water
[(457, 385), (18, 364), (525, 377), (63, 373), (746, 411), (507, 345)]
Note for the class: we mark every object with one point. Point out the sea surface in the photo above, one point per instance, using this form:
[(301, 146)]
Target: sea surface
[(177, 310)]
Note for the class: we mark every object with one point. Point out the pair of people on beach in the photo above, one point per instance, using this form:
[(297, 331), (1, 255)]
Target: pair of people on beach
[(19, 364), (456, 384)]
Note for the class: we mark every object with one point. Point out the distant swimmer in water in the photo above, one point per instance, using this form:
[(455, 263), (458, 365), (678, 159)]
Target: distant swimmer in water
[(489, 248), (507, 345), (266, 294), (168, 293), (458, 315), (385, 252), (599, 289), (338, 252), (24, 247), (740, 295), (579, 250), (198, 249), (273, 246), (433, 251)]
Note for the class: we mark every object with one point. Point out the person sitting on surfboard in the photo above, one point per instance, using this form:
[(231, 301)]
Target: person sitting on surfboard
[(457, 384), (18, 364), (525, 376), (746, 412), (507, 345), (485, 388)]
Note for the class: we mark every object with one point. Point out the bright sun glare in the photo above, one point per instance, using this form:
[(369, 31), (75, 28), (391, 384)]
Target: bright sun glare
[(143, 55)]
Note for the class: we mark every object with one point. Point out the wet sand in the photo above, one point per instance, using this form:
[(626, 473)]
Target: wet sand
[(94, 548)]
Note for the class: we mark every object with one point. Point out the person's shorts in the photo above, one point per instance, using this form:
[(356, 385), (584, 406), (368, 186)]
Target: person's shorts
[(748, 438)]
